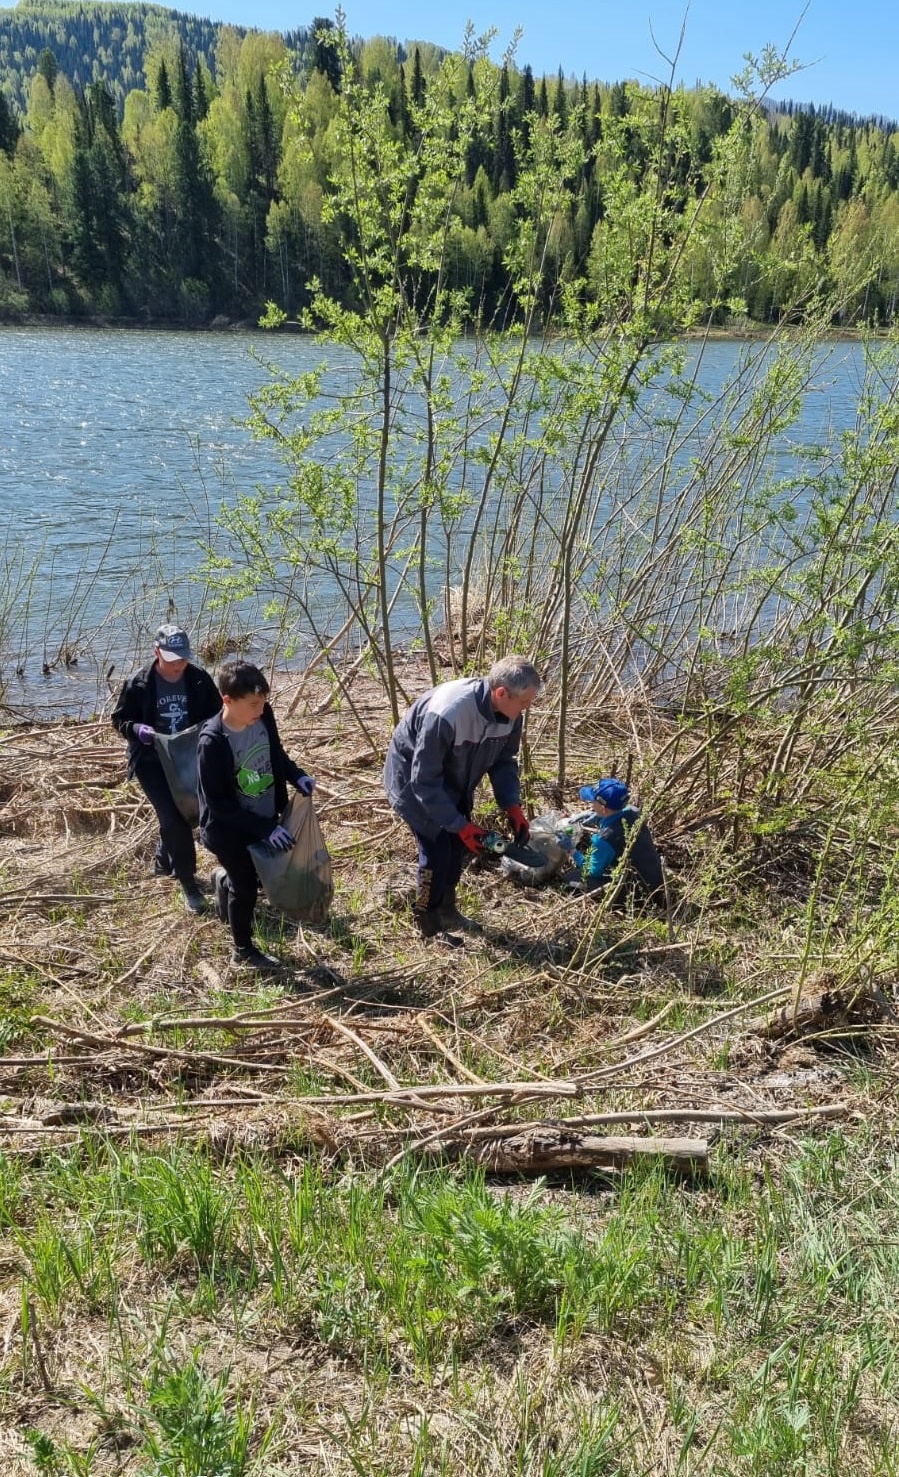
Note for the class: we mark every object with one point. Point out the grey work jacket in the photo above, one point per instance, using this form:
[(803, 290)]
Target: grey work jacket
[(442, 749)]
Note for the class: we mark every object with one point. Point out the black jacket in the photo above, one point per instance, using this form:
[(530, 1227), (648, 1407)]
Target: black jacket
[(221, 813), (136, 703)]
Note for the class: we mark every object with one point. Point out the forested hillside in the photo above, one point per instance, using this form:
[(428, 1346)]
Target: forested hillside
[(156, 165), (92, 43)]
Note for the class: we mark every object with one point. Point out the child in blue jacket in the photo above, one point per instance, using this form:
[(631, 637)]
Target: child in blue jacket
[(618, 828)]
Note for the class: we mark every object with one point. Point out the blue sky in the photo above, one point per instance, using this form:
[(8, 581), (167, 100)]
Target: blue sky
[(850, 51)]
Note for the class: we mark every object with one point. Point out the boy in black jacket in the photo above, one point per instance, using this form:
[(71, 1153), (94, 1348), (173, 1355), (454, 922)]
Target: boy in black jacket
[(243, 777), (166, 696)]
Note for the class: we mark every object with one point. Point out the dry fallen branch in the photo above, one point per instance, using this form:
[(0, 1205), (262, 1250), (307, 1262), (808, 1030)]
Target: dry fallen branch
[(658, 1051), (444, 1050), (547, 1151), (379, 1066), (833, 1010), (430, 1094), (763, 1118), (53, 899), (114, 1044)]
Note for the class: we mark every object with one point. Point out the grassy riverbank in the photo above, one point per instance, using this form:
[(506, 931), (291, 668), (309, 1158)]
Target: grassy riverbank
[(231, 1242)]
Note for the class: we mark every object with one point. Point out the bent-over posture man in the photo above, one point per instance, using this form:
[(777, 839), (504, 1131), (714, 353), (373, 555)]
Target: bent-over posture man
[(450, 739), (243, 777), (169, 694)]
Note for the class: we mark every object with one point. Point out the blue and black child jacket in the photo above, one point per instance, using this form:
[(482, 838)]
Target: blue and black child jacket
[(611, 835)]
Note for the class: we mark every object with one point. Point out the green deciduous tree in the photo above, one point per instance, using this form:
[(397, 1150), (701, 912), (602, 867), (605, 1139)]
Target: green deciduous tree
[(466, 479)]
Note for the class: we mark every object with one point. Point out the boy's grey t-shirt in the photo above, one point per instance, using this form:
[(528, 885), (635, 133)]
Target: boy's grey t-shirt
[(253, 768), (171, 705)]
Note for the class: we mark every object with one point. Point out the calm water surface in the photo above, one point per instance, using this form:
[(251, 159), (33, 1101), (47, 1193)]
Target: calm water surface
[(118, 448)]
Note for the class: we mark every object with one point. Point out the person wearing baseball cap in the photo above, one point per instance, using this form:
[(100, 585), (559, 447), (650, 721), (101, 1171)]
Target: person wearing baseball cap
[(167, 695), (619, 829)]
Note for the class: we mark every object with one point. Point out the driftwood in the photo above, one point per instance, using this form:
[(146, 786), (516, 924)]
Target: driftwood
[(547, 1151), (827, 1008)]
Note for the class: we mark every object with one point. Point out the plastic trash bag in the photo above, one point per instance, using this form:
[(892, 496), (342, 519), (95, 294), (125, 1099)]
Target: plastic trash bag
[(553, 834), (297, 882), (178, 757)]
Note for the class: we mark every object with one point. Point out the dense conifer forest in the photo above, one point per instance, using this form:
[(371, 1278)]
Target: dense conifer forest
[(158, 166)]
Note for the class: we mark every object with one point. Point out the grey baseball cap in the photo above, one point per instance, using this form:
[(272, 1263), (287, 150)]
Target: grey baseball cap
[(173, 644)]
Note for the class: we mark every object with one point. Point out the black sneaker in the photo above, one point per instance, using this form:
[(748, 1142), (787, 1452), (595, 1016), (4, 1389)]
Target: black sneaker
[(220, 891), (161, 868), (248, 956), (194, 900)]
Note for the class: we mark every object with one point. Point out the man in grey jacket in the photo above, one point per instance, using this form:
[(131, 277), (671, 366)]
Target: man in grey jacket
[(450, 739)]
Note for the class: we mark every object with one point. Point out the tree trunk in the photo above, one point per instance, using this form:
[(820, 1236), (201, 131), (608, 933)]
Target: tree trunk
[(15, 249)]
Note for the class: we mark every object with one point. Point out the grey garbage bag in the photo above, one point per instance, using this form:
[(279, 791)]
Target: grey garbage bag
[(178, 757), (297, 882)]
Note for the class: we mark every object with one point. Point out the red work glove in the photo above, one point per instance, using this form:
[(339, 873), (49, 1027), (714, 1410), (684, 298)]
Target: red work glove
[(520, 825), (472, 836)]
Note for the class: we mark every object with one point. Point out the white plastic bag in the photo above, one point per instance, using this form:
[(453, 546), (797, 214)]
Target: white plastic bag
[(549, 835)]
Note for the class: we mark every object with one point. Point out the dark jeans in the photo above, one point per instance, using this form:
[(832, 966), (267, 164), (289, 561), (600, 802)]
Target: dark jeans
[(440, 862), (175, 850), (243, 887)]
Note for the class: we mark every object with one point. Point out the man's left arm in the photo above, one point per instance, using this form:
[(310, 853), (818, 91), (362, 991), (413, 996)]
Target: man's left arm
[(504, 778), (503, 772)]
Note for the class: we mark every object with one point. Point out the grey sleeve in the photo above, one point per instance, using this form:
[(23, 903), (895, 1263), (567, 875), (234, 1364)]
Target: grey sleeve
[(433, 746)]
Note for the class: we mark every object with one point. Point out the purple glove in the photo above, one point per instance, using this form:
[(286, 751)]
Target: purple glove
[(305, 784), (145, 734), (280, 839)]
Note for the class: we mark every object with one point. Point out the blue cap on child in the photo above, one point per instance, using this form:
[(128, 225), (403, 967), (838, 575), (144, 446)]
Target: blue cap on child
[(612, 793)]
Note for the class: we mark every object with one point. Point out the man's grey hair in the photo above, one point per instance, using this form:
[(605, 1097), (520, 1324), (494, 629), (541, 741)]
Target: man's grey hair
[(514, 673)]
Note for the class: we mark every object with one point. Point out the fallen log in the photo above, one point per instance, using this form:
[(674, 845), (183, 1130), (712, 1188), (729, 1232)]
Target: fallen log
[(549, 1151), (826, 1007)]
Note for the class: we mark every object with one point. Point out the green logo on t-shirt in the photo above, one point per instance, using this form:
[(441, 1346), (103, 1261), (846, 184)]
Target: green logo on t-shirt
[(253, 775), (251, 782)]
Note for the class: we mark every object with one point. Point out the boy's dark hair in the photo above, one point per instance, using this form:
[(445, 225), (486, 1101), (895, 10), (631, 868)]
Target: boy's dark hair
[(240, 679)]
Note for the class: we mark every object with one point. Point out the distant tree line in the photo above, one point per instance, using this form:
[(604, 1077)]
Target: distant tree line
[(152, 166)]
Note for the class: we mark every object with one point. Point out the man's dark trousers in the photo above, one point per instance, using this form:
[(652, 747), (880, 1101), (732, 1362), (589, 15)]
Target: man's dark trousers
[(441, 859)]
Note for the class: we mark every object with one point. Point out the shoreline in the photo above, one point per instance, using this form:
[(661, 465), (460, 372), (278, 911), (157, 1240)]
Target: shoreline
[(719, 333)]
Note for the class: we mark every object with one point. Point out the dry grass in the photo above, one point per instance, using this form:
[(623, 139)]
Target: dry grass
[(124, 1024)]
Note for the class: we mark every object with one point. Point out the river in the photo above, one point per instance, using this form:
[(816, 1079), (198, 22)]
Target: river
[(118, 449)]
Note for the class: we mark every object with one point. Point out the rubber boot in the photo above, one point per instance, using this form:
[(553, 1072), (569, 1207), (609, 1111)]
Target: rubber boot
[(451, 918), (427, 921)]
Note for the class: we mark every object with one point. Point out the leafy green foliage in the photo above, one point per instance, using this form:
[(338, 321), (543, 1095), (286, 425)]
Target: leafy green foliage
[(221, 197)]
